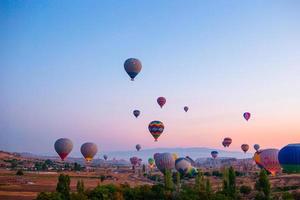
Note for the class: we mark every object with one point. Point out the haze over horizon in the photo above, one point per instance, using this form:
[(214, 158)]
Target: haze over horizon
[(62, 74)]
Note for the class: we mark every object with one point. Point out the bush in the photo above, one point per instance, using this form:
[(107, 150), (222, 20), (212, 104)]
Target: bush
[(19, 173), (244, 189), (49, 196), (287, 196)]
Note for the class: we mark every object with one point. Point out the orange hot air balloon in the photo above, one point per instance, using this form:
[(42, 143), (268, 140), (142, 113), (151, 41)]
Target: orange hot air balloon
[(161, 101), (63, 147), (88, 150), (245, 147)]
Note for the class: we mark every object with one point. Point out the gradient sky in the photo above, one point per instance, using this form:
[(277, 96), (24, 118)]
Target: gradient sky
[(62, 75)]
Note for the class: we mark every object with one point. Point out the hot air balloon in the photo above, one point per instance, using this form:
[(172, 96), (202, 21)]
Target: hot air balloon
[(191, 161), (186, 108), (245, 147), (289, 158), (63, 147), (88, 150), (257, 159), (164, 161), (136, 113), (256, 147), (223, 143), (151, 162), (134, 161), (138, 147), (156, 155), (132, 66), (247, 115), (161, 101), (269, 160), (227, 141), (214, 154), (156, 128), (183, 165), (105, 157)]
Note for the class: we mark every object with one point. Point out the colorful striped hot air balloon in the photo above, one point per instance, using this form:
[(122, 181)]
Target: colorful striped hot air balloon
[(132, 66), (161, 101), (164, 161), (88, 150), (156, 128), (289, 158), (63, 147)]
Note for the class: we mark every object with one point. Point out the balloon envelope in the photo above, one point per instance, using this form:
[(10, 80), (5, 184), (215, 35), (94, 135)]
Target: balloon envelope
[(132, 66), (161, 101), (214, 154), (186, 108), (164, 161), (63, 147), (138, 147), (256, 147), (227, 141), (151, 162), (269, 160), (183, 165), (247, 115), (136, 113), (105, 157), (88, 150), (245, 147), (257, 159), (156, 128), (289, 158)]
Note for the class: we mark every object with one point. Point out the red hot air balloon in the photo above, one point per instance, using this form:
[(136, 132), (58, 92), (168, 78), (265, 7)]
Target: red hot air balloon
[(186, 108), (227, 141), (132, 66), (247, 115), (156, 128), (63, 147), (161, 101), (245, 147)]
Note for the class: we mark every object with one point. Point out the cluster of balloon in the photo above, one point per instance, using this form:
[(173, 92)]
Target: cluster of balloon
[(156, 128), (227, 141), (138, 147), (256, 147), (164, 161), (186, 108), (63, 147), (289, 158), (245, 147), (161, 101), (214, 154), (268, 159), (136, 113), (151, 162), (247, 116), (105, 157), (132, 66), (184, 167), (88, 150)]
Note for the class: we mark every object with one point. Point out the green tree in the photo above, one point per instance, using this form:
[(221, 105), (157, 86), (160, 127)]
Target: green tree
[(263, 184), (169, 185), (49, 196), (77, 167), (229, 183), (80, 186), (63, 186), (208, 188), (199, 182), (177, 181)]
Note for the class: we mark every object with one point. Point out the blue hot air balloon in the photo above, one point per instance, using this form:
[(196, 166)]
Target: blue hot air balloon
[(289, 158), (132, 66)]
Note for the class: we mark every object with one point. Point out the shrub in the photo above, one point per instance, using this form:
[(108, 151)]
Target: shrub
[(19, 173), (49, 196), (245, 189)]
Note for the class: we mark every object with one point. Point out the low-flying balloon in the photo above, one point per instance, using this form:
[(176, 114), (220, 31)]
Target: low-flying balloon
[(256, 147), (136, 113), (289, 158), (132, 66), (214, 154), (183, 165), (88, 150), (269, 160), (186, 108), (156, 128), (63, 147), (151, 162), (105, 157), (227, 141), (138, 147), (161, 101), (247, 115), (164, 161), (245, 147)]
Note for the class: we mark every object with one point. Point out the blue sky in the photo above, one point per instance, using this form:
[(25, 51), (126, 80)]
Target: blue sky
[(61, 72)]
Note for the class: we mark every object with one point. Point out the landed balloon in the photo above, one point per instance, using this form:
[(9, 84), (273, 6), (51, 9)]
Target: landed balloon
[(63, 147), (151, 162), (191, 161), (256, 147), (186, 108), (156, 128), (214, 154), (132, 66), (136, 113), (269, 160), (161, 101), (227, 141), (164, 161), (247, 115), (138, 147), (105, 157), (88, 150), (245, 147), (289, 158), (183, 166)]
